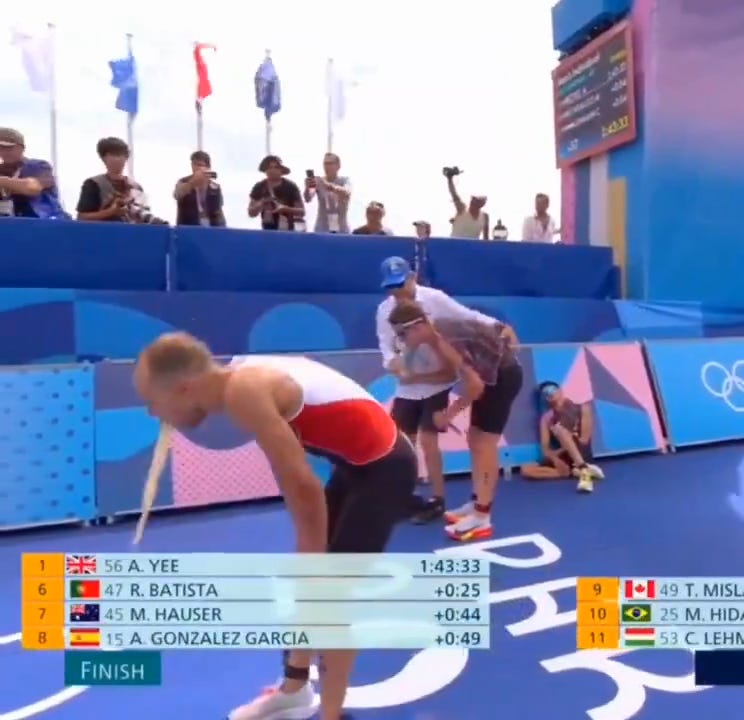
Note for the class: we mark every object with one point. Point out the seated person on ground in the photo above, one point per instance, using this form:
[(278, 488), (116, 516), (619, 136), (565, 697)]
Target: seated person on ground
[(565, 440)]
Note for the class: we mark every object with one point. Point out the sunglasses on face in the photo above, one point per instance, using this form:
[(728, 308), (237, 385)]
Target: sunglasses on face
[(549, 392), (402, 329)]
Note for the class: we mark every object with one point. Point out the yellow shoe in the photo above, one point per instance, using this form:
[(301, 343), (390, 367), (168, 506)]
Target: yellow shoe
[(586, 482)]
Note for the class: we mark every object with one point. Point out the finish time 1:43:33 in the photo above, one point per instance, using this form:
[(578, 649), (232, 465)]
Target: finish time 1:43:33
[(616, 126)]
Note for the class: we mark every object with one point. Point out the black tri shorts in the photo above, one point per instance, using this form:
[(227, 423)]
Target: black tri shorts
[(490, 412), (365, 502), (585, 450), (413, 415)]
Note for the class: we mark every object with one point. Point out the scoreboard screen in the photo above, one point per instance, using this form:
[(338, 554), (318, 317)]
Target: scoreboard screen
[(594, 97)]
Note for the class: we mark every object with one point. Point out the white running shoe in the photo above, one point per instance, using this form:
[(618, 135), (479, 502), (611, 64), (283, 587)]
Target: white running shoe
[(277, 705), (586, 483), (452, 516), (596, 472), (470, 527)]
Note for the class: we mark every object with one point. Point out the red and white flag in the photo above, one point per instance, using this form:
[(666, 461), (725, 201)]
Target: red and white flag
[(203, 82), (640, 589)]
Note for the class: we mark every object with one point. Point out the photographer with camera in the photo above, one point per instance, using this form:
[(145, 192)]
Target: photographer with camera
[(470, 222), (198, 196), (276, 199), (333, 193), (113, 197)]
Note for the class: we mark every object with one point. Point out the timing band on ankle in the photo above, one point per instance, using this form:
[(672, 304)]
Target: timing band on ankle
[(479, 507), (295, 673)]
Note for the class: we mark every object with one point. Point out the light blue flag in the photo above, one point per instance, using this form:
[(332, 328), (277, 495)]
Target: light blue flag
[(124, 79)]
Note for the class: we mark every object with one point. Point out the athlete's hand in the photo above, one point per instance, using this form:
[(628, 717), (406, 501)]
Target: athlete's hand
[(440, 419), (397, 366)]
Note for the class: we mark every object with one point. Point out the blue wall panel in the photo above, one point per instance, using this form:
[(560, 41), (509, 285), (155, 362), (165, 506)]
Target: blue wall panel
[(47, 446)]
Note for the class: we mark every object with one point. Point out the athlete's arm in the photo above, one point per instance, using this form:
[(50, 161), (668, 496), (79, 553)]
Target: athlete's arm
[(587, 422), (254, 410), (386, 340), (448, 308), (545, 448)]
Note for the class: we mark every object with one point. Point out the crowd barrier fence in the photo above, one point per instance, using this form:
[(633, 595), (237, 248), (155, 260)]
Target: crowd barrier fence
[(112, 256), (77, 441), (66, 326)]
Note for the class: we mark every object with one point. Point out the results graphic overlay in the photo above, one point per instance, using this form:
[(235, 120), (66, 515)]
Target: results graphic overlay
[(250, 601), (594, 97), (705, 614)]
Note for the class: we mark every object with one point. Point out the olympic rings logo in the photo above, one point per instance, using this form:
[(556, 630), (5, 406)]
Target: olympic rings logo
[(723, 383)]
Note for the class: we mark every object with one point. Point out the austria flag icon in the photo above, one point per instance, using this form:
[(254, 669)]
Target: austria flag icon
[(640, 589)]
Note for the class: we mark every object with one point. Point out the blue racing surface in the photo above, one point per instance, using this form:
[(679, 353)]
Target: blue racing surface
[(652, 516)]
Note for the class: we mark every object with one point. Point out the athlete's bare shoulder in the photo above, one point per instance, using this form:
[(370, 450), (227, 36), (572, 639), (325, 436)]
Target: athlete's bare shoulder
[(258, 390)]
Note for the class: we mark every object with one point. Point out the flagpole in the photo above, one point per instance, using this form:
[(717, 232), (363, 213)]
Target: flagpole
[(329, 105), (130, 120), (268, 120), (53, 99), (199, 126)]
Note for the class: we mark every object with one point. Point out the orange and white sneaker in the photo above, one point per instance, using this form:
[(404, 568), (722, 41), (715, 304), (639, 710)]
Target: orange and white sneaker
[(458, 513), (273, 704), (470, 527)]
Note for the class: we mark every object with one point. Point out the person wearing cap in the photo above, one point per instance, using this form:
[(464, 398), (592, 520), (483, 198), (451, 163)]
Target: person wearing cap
[(375, 214), (421, 259), (276, 199), (399, 280), (565, 440), (28, 187), (470, 221), (423, 229)]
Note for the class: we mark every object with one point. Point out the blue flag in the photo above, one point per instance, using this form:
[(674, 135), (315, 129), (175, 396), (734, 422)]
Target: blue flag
[(268, 89), (124, 79)]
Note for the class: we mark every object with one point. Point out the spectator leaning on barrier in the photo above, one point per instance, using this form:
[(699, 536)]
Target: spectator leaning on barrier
[(198, 196), (375, 214), (540, 227), (470, 221), (333, 193), (276, 199), (27, 187), (112, 196)]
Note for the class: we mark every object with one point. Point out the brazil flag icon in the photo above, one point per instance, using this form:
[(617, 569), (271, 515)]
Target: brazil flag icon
[(636, 613)]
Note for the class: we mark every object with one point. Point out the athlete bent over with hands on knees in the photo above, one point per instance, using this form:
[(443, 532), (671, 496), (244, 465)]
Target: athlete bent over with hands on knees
[(484, 356), (292, 405), (565, 441)]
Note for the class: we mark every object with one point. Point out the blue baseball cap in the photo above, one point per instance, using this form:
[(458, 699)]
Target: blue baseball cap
[(395, 271)]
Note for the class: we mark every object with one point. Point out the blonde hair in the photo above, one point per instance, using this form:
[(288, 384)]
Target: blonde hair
[(159, 459), (171, 355)]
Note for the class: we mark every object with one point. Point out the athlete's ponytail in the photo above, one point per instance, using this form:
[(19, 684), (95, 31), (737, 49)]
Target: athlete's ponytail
[(159, 459)]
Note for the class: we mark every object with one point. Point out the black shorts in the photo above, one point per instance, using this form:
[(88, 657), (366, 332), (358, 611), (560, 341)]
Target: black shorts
[(490, 412), (585, 450), (413, 415), (365, 502)]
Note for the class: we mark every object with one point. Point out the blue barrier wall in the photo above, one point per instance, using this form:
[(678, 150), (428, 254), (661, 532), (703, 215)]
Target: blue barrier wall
[(701, 389), (77, 442), (95, 256), (47, 454), (53, 326)]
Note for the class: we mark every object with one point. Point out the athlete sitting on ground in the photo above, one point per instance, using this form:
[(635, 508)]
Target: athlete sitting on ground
[(484, 356), (292, 405), (565, 441)]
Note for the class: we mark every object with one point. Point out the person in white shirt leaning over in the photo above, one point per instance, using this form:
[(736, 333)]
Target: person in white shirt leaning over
[(540, 227)]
